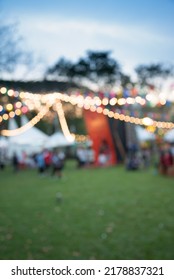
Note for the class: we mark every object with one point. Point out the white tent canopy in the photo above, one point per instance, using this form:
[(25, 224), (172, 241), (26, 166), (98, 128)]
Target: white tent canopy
[(32, 137), (144, 135), (12, 124), (169, 136), (3, 142), (57, 140), (31, 141)]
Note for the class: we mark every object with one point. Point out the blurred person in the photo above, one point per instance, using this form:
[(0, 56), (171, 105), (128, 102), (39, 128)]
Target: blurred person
[(156, 159), (2, 158), (102, 159), (104, 153), (171, 168), (48, 159), (81, 155), (40, 163), (30, 162), (146, 157), (15, 162), (61, 155), (166, 160), (58, 163), (22, 160), (172, 151), (132, 161), (90, 156)]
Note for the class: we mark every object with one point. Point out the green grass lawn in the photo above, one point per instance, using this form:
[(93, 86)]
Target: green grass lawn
[(104, 214)]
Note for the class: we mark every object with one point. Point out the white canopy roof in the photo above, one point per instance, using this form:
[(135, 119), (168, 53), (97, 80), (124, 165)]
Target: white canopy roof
[(169, 136), (12, 124), (57, 140), (143, 134), (33, 136), (3, 142)]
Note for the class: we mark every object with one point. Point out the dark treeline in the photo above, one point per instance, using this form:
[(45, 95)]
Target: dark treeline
[(38, 86)]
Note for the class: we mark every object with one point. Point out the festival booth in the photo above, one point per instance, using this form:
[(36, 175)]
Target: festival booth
[(3, 142), (99, 132), (143, 135), (57, 140), (169, 136), (3, 151), (30, 141)]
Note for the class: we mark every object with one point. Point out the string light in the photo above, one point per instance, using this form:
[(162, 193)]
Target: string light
[(89, 103), (5, 117), (13, 109), (28, 125), (9, 107), (123, 117), (3, 90), (12, 114), (148, 96), (81, 138), (63, 123)]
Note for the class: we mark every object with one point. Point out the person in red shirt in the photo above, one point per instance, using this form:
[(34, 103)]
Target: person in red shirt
[(166, 161), (47, 159)]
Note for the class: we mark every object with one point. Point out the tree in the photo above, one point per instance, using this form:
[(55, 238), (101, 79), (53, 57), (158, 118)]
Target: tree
[(148, 73), (81, 68), (96, 67), (62, 70), (11, 53), (103, 69), (125, 79)]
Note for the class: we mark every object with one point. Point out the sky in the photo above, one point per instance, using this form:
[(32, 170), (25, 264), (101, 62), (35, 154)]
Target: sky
[(136, 31)]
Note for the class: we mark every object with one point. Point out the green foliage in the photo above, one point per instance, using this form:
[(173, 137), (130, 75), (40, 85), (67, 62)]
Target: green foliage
[(102, 68), (146, 73), (76, 125), (96, 66), (103, 214), (11, 52), (63, 68)]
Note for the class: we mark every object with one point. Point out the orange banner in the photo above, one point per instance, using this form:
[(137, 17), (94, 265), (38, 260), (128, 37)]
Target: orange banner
[(99, 132)]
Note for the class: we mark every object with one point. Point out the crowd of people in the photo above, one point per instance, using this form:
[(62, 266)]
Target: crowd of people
[(53, 161), (138, 158), (86, 156), (46, 161), (162, 158)]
